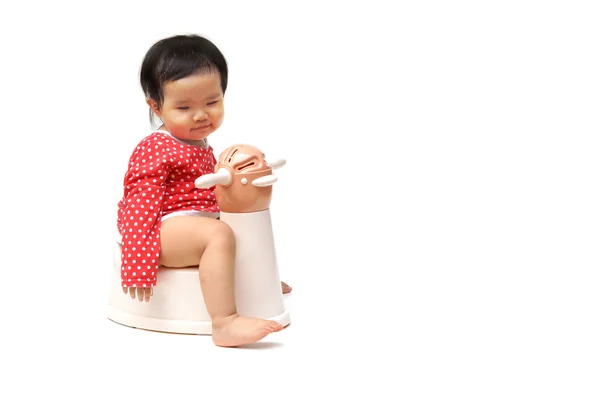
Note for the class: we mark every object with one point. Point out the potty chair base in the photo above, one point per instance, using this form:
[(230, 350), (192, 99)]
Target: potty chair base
[(176, 306), (187, 326), (184, 327), (173, 326)]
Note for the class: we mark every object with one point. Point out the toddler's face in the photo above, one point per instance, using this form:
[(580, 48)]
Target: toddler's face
[(193, 106)]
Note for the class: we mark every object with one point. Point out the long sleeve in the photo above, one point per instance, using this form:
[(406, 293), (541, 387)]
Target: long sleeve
[(140, 212)]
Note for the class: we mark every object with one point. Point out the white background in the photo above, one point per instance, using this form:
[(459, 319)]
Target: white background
[(437, 218)]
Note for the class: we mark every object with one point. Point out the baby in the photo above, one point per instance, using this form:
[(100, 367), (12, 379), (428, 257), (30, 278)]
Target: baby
[(163, 219)]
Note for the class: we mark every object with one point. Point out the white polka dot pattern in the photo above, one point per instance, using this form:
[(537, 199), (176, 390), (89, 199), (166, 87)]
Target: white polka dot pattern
[(159, 180)]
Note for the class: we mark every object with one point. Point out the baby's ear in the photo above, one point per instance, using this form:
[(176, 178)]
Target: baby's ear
[(153, 106)]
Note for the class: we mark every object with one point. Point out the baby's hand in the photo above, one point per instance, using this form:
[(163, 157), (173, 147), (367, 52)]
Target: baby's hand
[(141, 293)]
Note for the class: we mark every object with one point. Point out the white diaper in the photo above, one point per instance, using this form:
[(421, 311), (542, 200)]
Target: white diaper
[(177, 213)]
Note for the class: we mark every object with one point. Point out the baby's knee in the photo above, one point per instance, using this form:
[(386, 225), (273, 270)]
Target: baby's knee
[(223, 235)]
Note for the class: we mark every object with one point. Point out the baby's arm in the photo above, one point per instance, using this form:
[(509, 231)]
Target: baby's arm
[(145, 181)]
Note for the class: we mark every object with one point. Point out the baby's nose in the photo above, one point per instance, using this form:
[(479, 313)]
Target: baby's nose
[(199, 116)]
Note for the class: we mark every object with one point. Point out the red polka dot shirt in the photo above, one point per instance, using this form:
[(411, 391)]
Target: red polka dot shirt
[(159, 181)]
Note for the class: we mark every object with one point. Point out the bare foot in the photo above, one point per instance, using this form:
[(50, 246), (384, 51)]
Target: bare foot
[(285, 288), (235, 330)]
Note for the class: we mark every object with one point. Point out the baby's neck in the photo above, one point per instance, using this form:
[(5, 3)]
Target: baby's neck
[(200, 143)]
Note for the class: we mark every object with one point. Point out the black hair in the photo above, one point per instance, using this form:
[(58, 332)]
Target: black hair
[(177, 57)]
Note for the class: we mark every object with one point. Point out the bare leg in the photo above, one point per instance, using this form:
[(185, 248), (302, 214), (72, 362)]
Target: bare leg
[(210, 243)]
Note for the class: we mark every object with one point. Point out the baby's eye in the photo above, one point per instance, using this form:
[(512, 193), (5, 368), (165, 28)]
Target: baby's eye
[(183, 108), (213, 102)]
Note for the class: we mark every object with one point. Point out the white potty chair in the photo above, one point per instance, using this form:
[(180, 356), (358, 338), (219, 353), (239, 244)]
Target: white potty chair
[(243, 182)]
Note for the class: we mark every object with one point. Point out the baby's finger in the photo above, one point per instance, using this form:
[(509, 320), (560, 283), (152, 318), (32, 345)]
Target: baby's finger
[(140, 294), (132, 292), (125, 290)]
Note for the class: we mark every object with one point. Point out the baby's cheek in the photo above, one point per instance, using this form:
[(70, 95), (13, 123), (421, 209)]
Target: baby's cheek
[(184, 121), (218, 116)]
